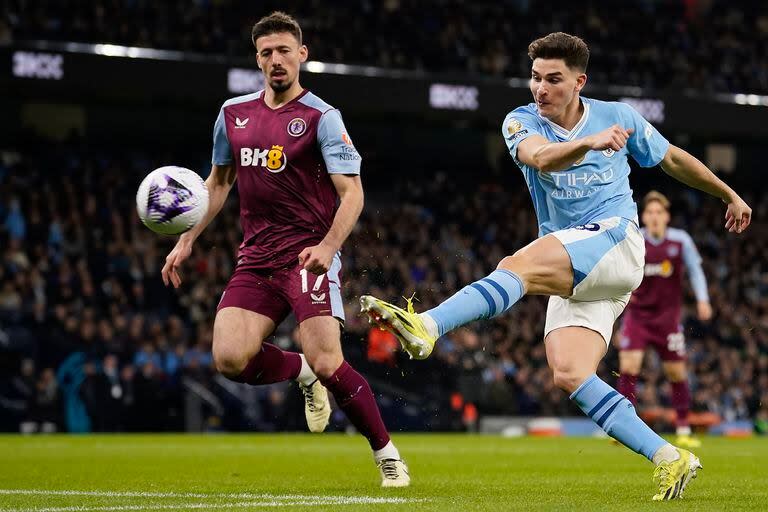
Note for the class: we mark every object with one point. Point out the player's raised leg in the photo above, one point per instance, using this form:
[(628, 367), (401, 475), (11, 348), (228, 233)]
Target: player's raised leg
[(241, 355), (541, 268), (677, 375), (573, 354), (320, 336)]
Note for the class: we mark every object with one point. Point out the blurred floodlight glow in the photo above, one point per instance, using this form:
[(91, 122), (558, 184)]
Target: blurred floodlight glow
[(314, 66), (111, 50)]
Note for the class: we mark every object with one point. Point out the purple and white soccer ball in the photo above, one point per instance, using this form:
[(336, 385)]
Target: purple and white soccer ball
[(172, 200)]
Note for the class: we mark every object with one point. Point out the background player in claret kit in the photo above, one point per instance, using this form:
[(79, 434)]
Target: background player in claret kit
[(652, 317), (574, 153), (300, 196)]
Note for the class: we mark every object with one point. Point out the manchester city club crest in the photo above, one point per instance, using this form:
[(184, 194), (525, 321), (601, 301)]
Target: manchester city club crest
[(608, 152), (297, 127)]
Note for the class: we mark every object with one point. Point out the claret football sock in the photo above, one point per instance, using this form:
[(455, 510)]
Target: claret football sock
[(486, 298), (355, 398), (616, 415), (270, 365), (681, 401), (628, 387)]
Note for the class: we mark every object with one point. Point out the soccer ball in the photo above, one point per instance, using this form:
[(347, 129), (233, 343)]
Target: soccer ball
[(172, 200)]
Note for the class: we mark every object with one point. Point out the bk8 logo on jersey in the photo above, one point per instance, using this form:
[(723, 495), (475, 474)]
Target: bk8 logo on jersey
[(663, 269), (273, 159)]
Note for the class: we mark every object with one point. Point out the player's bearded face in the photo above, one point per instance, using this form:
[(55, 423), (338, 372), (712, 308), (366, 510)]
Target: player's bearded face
[(554, 86), (280, 57)]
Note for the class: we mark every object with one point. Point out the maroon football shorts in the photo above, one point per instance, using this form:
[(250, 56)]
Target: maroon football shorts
[(275, 293), (667, 340)]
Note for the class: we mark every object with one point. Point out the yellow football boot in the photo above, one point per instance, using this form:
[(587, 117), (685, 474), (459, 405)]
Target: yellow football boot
[(687, 441), (405, 324), (674, 476)]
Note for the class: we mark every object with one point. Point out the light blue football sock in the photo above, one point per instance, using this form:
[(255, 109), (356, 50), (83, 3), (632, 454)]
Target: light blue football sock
[(616, 415), (486, 298)]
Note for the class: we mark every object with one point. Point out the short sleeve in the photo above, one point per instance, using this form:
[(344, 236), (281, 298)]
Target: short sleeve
[(222, 150), (339, 153), (646, 145), (518, 126)]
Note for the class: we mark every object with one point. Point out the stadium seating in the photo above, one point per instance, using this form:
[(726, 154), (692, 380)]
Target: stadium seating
[(711, 45)]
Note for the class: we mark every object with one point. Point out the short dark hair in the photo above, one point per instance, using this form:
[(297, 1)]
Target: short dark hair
[(559, 45), (658, 197), (275, 23)]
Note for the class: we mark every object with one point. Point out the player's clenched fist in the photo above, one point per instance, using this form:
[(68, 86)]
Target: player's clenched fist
[(173, 261), (613, 138), (317, 259)]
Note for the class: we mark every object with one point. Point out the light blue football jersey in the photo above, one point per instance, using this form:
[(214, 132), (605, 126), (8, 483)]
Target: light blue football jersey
[(596, 187)]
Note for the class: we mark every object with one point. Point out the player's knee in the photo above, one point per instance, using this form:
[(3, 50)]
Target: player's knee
[(676, 373), (517, 263), (567, 379), (629, 368), (229, 363), (229, 366), (325, 364)]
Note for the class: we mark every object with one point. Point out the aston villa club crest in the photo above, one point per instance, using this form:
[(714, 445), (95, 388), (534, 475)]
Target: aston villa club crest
[(673, 251), (297, 127)]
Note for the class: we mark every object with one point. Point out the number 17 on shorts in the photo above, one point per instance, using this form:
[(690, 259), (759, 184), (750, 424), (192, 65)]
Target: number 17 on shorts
[(316, 295)]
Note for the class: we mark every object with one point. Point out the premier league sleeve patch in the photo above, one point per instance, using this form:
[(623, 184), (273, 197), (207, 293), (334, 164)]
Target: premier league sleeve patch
[(515, 130), (514, 126)]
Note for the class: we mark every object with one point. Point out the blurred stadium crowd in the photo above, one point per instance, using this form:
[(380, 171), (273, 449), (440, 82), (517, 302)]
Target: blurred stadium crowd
[(706, 45), (91, 340)]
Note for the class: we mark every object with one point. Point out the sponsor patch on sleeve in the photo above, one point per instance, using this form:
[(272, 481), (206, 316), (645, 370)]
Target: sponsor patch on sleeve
[(520, 134)]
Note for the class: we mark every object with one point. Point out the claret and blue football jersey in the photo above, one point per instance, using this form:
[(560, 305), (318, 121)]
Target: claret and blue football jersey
[(284, 159)]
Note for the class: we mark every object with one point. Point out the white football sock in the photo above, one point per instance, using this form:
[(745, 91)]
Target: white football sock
[(388, 452), (684, 431), (429, 324), (306, 375), (666, 453)]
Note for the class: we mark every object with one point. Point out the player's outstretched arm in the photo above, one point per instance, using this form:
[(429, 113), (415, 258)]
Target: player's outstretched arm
[(687, 169), (538, 152), (219, 184), (317, 259), (692, 260)]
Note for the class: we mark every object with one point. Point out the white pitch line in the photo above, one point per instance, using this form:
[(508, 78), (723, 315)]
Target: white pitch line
[(357, 500), (185, 506), (270, 500), (106, 508)]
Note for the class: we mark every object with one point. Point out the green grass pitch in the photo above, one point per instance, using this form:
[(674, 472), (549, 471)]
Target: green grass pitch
[(336, 473)]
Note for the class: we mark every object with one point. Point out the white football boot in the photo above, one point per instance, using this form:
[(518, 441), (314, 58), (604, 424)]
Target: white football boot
[(317, 407), (394, 473)]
